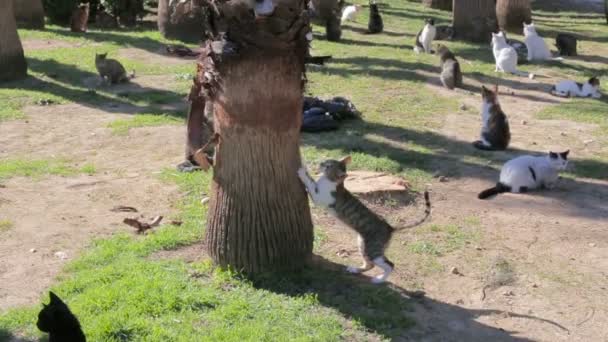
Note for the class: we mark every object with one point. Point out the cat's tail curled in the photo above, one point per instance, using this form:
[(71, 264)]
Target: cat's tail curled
[(498, 189), (427, 213)]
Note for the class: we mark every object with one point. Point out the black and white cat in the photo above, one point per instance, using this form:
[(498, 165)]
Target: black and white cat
[(495, 132), (59, 322), (425, 37), (526, 173), (575, 89), (374, 232)]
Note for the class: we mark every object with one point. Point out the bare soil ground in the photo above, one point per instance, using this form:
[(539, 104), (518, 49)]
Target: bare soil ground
[(555, 243)]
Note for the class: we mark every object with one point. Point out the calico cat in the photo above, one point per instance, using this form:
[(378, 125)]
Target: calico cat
[(537, 47), (425, 37), (571, 88), (526, 173), (505, 55), (566, 44), (59, 322), (111, 69), (495, 133), (80, 18), (375, 24), (374, 232), (451, 76), (350, 13)]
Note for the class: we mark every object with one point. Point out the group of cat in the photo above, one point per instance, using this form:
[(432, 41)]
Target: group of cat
[(518, 175)]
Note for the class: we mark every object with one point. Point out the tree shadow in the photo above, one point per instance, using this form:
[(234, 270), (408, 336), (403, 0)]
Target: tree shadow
[(362, 30), (7, 336), (391, 69), (388, 310), (70, 83)]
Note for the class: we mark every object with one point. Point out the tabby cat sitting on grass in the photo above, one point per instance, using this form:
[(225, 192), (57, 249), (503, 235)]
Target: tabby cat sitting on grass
[(374, 232), (111, 69)]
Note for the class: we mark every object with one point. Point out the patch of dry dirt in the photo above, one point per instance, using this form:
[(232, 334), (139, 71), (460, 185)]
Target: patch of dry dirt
[(62, 214)]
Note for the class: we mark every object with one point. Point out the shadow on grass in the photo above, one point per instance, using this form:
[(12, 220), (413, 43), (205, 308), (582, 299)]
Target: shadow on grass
[(391, 69), (457, 159), (363, 30), (7, 336), (388, 310), (70, 83)]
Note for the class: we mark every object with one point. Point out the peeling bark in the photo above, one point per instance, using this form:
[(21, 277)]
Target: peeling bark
[(252, 70), (474, 20), (512, 14)]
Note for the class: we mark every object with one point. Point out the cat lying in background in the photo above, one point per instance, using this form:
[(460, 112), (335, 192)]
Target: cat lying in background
[(574, 89), (59, 322), (374, 232), (495, 133), (526, 173)]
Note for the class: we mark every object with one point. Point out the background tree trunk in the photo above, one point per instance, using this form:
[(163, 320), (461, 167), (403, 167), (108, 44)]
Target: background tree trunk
[(511, 14), (474, 20), (259, 219), (329, 13), (183, 20), (606, 9), (444, 5), (12, 60), (29, 13)]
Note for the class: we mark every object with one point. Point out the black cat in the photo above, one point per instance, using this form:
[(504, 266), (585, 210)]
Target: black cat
[(59, 322)]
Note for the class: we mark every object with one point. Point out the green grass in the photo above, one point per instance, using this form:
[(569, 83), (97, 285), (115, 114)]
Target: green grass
[(122, 126), (590, 111), (120, 293), (34, 168), (5, 225), (88, 169)]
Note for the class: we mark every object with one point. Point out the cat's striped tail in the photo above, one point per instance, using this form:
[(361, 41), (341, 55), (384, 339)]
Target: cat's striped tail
[(427, 213), (498, 189)]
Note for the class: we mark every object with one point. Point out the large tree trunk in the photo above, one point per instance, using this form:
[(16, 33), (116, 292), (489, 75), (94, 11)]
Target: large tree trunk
[(29, 13), (474, 20), (512, 14), (12, 60), (258, 218), (444, 5)]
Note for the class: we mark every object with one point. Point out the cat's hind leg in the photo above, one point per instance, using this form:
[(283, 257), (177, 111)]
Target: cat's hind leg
[(367, 263), (386, 266)]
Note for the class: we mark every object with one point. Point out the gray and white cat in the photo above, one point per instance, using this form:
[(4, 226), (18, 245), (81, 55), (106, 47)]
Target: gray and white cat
[(451, 75), (425, 37), (537, 47), (505, 55), (495, 132), (526, 173), (574, 89), (111, 69), (374, 232)]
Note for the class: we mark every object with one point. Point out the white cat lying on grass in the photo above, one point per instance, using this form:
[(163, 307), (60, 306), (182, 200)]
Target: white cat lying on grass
[(575, 89)]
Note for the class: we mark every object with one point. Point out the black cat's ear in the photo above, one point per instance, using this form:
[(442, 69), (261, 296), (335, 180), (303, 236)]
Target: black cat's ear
[(346, 160), (552, 155), (54, 298), (564, 155)]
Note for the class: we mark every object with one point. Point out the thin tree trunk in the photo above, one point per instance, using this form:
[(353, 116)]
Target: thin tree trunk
[(474, 20), (444, 5), (12, 60), (29, 13), (328, 14), (258, 218), (512, 14)]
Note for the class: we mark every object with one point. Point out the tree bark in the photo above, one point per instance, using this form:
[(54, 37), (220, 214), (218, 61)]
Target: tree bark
[(29, 13), (329, 13), (259, 219), (474, 20), (512, 14), (184, 20), (444, 5), (12, 61), (606, 10)]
